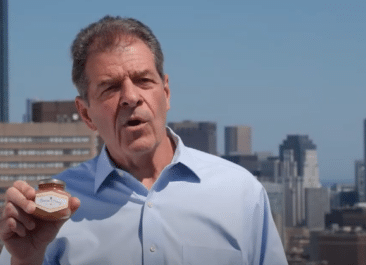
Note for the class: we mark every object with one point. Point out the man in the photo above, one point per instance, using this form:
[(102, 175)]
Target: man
[(146, 199)]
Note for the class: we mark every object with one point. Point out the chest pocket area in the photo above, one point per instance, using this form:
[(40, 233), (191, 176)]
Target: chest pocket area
[(193, 255)]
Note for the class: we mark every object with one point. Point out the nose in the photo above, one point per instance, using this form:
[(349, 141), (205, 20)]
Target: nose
[(130, 95)]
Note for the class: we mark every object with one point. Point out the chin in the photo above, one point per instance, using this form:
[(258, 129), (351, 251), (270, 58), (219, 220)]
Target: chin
[(141, 147)]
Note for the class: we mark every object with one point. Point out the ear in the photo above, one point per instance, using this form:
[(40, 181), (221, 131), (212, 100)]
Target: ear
[(167, 91), (83, 108)]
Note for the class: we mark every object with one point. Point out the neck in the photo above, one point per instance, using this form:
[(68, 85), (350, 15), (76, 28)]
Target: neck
[(147, 167)]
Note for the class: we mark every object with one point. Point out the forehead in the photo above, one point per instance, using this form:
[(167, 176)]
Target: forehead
[(122, 49), (123, 59), (121, 42)]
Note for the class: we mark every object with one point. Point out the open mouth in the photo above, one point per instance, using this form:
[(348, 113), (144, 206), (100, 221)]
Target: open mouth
[(134, 122)]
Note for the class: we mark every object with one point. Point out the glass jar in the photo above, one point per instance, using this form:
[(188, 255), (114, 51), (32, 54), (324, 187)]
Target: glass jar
[(52, 201)]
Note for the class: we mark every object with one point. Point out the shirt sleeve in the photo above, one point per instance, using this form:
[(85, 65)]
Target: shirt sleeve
[(272, 252), (5, 257)]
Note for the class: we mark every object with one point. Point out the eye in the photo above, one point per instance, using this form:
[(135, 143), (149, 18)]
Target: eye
[(112, 87), (143, 80)]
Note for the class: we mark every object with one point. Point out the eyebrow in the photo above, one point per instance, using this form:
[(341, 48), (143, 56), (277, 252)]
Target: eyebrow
[(138, 74), (119, 79), (109, 82)]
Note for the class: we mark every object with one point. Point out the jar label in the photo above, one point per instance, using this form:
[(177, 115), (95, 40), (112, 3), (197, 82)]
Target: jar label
[(51, 201)]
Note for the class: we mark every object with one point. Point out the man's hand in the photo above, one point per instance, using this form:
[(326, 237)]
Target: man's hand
[(25, 236)]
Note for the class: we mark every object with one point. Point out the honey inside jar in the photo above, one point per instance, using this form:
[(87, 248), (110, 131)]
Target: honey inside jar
[(52, 201)]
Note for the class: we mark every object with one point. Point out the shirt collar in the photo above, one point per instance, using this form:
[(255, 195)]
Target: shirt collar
[(182, 155)]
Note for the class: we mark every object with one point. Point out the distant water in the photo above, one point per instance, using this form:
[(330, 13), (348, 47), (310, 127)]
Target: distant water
[(330, 182)]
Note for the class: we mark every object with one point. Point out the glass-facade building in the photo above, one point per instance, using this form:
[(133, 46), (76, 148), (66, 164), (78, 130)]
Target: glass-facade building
[(4, 94)]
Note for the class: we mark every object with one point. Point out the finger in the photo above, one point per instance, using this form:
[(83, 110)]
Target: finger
[(28, 191), (5, 230), (74, 204), (16, 227), (14, 196), (11, 211)]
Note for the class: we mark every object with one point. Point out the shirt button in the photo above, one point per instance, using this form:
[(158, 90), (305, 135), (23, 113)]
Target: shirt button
[(152, 249), (150, 204)]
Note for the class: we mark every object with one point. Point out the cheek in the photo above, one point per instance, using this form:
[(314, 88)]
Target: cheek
[(104, 114)]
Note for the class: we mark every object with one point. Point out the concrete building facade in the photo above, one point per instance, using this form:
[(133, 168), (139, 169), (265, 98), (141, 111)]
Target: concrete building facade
[(294, 211), (31, 151), (54, 111), (317, 205), (199, 135), (346, 246), (238, 140)]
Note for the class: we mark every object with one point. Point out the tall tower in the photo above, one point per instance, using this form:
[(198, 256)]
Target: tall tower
[(4, 96), (238, 140), (360, 171), (364, 144), (306, 157)]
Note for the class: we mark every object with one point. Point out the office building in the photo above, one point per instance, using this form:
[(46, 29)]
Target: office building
[(27, 116), (33, 151), (249, 162), (306, 157), (339, 247), (54, 111), (354, 217), (238, 140), (317, 205), (198, 135), (343, 195), (294, 212), (4, 86), (360, 180), (364, 144), (276, 201), (269, 168)]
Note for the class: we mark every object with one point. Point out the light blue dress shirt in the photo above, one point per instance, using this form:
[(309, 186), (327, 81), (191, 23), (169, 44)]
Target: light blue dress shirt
[(201, 210)]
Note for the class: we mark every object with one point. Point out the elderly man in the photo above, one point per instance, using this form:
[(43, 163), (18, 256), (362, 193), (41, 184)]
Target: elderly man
[(146, 199)]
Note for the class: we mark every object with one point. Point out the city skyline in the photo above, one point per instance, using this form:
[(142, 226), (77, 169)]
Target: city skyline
[(279, 67)]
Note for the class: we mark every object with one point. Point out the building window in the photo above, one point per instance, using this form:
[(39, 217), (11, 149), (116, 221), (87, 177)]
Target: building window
[(45, 139), (31, 164), (39, 152), (6, 152), (75, 164), (75, 139), (80, 151), (23, 177)]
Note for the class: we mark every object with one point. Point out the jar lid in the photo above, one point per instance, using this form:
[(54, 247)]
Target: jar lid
[(52, 181)]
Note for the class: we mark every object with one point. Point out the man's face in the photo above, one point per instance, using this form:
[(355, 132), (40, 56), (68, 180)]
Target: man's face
[(128, 101)]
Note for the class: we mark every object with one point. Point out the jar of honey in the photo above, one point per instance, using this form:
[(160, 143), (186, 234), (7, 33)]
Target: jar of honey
[(52, 201)]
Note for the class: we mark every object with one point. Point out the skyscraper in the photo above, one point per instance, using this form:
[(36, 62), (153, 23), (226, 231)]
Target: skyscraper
[(238, 140), (364, 145), (198, 135), (306, 157), (360, 171), (364, 140), (360, 180), (4, 96)]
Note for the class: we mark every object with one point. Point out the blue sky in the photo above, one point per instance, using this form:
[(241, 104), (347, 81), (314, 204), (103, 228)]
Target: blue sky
[(281, 67)]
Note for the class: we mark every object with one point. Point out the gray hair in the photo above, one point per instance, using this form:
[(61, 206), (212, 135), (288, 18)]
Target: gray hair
[(103, 35)]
